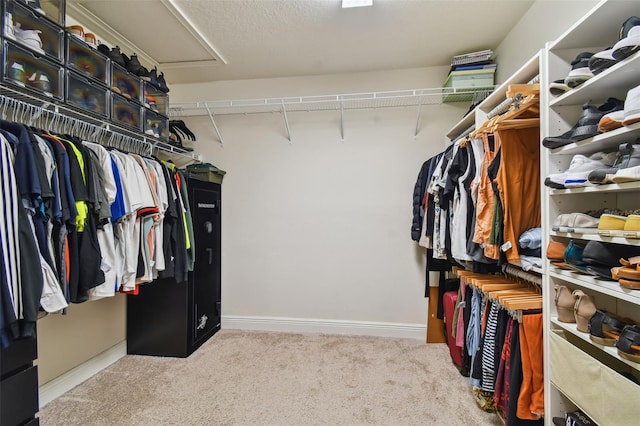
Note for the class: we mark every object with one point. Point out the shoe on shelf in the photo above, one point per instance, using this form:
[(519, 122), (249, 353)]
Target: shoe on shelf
[(30, 38), (611, 121), (162, 84), (35, 5), (605, 327), (628, 157), (558, 88), (104, 49), (153, 78), (17, 73), (116, 56), (40, 81), (587, 125), (133, 64), (629, 39), (600, 61), (579, 169), (9, 30), (76, 30), (90, 39), (580, 71), (632, 107)]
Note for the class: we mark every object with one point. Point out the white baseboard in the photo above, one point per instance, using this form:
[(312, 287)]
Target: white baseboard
[(72, 378), (312, 325)]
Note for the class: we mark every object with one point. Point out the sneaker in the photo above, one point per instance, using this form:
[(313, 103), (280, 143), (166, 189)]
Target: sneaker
[(40, 81), (116, 56), (153, 78), (587, 125), (629, 39), (601, 61), (16, 73), (9, 31), (30, 38), (611, 121), (90, 39), (632, 107), (628, 156), (579, 169), (558, 88), (35, 5), (162, 84), (76, 30), (580, 71)]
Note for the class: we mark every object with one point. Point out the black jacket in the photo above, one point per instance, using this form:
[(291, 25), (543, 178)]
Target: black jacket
[(418, 197)]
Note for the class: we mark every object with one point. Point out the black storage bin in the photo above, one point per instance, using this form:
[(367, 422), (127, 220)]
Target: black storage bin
[(174, 319), (87, 60), (32, 71), (155, 124), (32, 31), (87, 94), (53, 10), (19, 383), (125, 112), (125, 83), (154, 99)]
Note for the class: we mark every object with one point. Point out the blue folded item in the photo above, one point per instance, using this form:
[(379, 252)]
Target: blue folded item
[(531, 239)]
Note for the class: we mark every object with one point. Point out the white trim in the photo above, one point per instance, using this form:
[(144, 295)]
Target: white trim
[(313, 325), (72, 378)]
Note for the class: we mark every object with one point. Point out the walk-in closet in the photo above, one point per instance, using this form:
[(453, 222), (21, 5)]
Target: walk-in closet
[(345, 212)]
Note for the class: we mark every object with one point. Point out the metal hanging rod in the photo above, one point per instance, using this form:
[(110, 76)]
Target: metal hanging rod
[(31, 111)]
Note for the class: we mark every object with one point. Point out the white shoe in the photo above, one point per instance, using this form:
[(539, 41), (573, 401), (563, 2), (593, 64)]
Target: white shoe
[(580, 167)]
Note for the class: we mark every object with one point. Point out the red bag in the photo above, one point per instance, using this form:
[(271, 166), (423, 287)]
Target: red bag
[(449, 300)]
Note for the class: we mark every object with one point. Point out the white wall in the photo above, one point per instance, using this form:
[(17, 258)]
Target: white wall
[(319, 228), (545, 21)]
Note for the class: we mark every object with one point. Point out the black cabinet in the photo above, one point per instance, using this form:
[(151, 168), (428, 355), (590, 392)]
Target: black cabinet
[(168, 318), (19, 383)]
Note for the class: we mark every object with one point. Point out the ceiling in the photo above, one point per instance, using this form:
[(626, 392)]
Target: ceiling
[(207, 40)]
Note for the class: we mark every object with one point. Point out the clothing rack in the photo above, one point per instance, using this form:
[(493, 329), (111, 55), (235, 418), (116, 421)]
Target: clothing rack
[(34, 112), (504, 106), (465, 133), (515, 272)]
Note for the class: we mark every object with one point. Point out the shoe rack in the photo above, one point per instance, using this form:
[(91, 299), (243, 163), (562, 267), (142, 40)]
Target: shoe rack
[(48, 63), (579, 373)]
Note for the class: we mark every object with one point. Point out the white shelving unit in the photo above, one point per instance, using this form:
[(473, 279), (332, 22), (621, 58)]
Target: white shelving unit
[(596, 366)]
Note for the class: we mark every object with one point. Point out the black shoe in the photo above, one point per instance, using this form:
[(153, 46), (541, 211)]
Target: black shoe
[(580, 71), (104, 49), (162, 84), (143, 72), (587, 125), (153, 78), (134, 64), (116, 56), (601, 61)]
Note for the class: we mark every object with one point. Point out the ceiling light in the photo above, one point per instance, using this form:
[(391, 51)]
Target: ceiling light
[(356, 3)]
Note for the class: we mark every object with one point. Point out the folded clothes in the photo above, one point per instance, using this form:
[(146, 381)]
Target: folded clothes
[(531, 238)]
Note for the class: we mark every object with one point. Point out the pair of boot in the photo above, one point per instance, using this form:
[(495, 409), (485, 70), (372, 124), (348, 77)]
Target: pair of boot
[(158, 81), (131, 64)]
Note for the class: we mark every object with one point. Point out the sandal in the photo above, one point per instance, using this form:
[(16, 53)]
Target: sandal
[(605, 328), (584, 309), (628, 343), (565, 304)]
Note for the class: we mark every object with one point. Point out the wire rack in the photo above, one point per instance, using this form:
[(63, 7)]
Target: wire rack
[(340, 102)]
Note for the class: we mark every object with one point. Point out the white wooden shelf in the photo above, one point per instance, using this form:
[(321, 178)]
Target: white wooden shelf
[(604, 189), (610, 288), (613, 82), (608, 141), (596, 237), (611, 350)]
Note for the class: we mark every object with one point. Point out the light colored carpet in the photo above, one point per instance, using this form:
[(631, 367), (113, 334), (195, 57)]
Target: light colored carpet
[(260, 378)]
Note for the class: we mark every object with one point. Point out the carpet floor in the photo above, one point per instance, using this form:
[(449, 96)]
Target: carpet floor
[(262, 378)]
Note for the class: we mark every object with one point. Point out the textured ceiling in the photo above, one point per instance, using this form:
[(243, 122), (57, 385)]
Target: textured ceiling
[(244, 39)]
